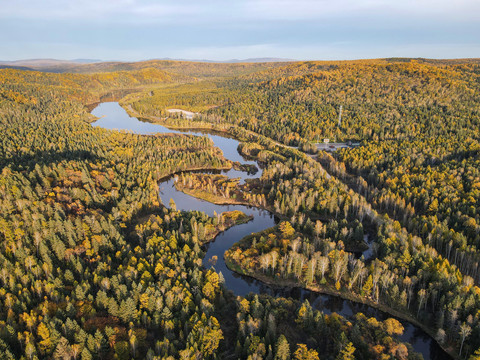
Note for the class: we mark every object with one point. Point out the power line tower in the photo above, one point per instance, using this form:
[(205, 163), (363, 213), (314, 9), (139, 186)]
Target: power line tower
[(340, 116)]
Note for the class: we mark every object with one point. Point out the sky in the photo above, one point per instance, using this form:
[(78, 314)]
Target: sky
[(131, 30)]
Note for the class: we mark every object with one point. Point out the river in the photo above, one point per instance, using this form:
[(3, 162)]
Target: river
[(113, 116)]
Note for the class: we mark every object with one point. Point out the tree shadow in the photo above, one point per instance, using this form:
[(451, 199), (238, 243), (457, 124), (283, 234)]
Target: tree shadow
[(27, 162), (454, 156)]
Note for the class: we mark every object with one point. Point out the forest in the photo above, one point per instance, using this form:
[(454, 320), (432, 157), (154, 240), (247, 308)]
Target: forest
[(418, 164), (94, 266)]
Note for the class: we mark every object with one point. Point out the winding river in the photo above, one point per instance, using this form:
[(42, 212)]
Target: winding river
[(113, 116)]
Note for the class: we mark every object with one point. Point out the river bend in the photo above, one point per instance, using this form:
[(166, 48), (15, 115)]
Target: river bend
[(113, 116)]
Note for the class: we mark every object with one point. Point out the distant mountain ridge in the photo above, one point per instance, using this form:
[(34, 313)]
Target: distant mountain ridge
[(186, 67), (266, 59), (190, 68), (57, 62), (249, 60), (47, 62)]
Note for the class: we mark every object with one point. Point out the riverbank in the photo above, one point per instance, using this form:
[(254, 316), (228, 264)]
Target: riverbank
[(226, 130), (262, 220), (321, 289), (342, 293), (327, 289), (230, 219), (192, 169), (214, 199), (220, 200), (172, 124), (237, 196)]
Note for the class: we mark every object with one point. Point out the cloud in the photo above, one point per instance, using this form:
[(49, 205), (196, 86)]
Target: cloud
[(55, 9), (85, 10), (320, 9), (224, 29), (208, 10)]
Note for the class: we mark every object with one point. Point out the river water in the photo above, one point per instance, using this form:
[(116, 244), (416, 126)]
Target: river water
[(113, 116)]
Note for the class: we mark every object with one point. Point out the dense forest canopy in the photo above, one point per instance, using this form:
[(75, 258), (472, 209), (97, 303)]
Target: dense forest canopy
[(94, 266), (417, 120), (184, 68)]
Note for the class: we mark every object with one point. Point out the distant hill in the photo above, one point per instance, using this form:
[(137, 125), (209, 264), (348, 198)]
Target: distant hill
[(259, 60), (86, 61), (177, 68), (202, 68), (435, 61), (2, 66), (41, 63), (192, 67), (57, 62), (36, 62), (231, 61)]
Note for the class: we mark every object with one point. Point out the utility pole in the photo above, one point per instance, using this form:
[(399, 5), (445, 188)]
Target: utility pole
[(340, 116)]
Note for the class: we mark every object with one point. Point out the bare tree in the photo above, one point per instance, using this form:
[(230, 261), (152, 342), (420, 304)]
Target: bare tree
[(464, 332)]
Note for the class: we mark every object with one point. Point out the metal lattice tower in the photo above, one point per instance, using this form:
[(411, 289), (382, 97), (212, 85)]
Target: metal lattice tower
[(340, 116)]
